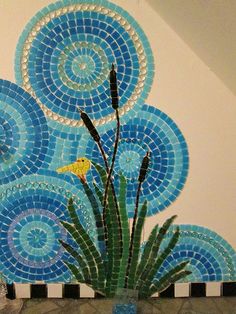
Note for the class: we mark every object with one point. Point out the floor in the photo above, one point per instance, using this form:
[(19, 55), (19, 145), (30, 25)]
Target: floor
[(157, 306)]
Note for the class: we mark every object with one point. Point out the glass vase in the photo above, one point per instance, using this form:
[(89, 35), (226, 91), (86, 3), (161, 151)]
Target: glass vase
[(125, 302)]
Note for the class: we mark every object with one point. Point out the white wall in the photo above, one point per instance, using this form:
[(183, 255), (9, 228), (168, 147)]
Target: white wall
[(186, 90)]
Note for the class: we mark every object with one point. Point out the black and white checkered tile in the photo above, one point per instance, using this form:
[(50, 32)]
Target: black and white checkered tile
[(77, 291)]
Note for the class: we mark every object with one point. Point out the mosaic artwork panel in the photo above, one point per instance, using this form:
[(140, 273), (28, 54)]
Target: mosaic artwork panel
[(150, 131), (63, 60), (31, 209), (65, 53), (211, 258), (24, 136)]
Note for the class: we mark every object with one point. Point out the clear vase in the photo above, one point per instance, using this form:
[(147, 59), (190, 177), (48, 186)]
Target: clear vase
[(125, 302)]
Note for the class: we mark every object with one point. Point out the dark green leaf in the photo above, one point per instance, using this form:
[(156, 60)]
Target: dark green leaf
[(149, 273), (125, 232), (81, 261), (134, 255)]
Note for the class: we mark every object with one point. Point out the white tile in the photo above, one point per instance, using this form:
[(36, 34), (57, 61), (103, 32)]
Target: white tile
[(155, 295), (181, 290), (86, 291), (213, 289), (22, 290), (54, 290)]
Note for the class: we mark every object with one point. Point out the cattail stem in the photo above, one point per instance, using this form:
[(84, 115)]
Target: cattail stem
[(103, 156), (109, 180)]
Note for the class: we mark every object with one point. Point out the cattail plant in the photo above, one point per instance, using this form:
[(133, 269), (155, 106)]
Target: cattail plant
[(120, 262)]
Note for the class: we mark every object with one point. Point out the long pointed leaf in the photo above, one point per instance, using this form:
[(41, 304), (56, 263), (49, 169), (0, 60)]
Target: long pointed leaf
[(112, 237), (125, 231), (149, 274), (81, 261), (96, 255), (146, 253), (102, 173), (103, 176), (157, 289), (136, 247), (78, 276), (99, 193), (149, 271), (79, 239), (115, 252), (97, 216)]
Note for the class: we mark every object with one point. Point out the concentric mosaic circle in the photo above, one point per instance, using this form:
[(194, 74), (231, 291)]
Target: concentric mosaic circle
[(211, 257), (65, 54), (64, 145), (23, 133), (31, 209), (150, 131)]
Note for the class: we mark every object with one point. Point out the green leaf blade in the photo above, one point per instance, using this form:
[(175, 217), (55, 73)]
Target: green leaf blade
[(136, 247)]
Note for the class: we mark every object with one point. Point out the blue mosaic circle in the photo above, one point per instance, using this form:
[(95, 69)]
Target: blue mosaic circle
[(65, 54), (211, 257), (151, 130), (31, 209), (64, 145), (23, 133)]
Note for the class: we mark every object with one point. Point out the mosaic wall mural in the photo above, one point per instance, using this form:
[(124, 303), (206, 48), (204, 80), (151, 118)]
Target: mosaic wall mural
[(63, 60)]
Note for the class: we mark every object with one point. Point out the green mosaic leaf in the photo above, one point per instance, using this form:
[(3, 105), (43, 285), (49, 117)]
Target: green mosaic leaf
[(147, 253), (136, 247), (155, 263), (114, 246), (97, 216), (99, 193), (89, 250), (78, 276), (115, 251), (125, 232), (102, 173), (172, 276), (89, 243), (80, 259), (85, 249)]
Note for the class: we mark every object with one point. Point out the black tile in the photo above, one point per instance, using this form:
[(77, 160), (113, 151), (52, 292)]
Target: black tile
[(11, 291), (39, 291), (229, 289), (198, 290), (169, 292), (71, 291), (98, 296)]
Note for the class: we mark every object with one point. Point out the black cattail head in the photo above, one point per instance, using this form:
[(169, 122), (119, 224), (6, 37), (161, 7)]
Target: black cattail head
[(144, 168), (89, 125), (113, 88)]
